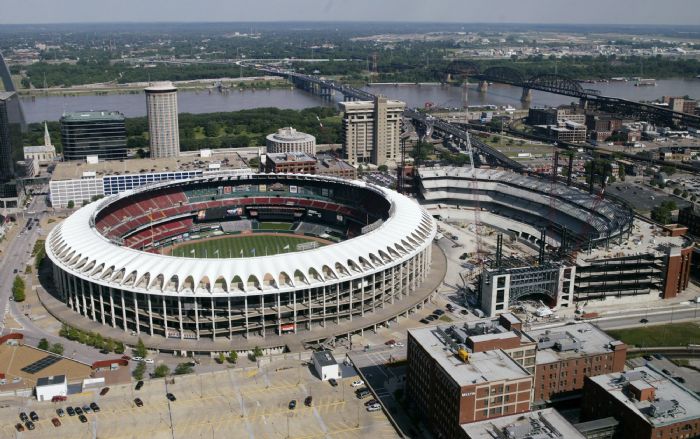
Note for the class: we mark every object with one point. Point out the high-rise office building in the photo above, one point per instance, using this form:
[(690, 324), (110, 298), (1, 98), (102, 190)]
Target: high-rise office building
[(161, 104), (372, 130), (93, 133), (11, 127)]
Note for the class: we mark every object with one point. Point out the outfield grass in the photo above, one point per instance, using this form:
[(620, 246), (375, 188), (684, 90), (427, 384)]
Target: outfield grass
[(275, 226), (240, 246), (677, 334)]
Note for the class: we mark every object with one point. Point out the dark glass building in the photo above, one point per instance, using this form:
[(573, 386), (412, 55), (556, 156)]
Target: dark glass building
[(100, 133), (11, 126)]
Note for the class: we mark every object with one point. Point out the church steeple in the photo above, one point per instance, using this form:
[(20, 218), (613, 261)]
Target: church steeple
[(47, 137)]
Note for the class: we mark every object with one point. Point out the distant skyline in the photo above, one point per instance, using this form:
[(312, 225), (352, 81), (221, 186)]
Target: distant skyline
[(628, 12)]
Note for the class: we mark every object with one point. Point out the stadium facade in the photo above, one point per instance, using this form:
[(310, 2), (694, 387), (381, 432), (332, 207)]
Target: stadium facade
[(109, 264)]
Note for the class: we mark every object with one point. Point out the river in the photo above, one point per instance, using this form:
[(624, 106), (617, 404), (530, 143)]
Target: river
[(50, 108)]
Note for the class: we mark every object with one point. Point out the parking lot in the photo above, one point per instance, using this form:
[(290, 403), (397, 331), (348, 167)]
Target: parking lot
[(245, 403)]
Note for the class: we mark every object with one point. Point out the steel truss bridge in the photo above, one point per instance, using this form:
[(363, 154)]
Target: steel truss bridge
[(326, 88), (562, 85)]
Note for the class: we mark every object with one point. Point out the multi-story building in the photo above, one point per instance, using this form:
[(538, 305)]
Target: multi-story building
[(675, 153), (681, 105), (547, 423), (331, 166), (568, 354), (93, 133), (41, 154), (564, 131), (11, 127), (289, 162), (80, 182), (452, 384), (290, 140), (602, 122), (371, 131), (555, 116), (647, 403), (163, 128)]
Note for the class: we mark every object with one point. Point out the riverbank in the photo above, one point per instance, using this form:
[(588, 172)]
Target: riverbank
[(219, 85)]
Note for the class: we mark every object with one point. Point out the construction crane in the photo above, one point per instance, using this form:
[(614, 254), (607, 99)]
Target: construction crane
[(477, 207)]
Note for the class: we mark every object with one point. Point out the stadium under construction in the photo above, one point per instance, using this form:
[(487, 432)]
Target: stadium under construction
[(589, 247)]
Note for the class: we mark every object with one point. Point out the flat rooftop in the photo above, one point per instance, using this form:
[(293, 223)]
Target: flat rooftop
[(672, 402), (482, 367), (570, 341), (290, 157), (547, 423), (75, 170), (328, 162), (80, 116), (368, 105)]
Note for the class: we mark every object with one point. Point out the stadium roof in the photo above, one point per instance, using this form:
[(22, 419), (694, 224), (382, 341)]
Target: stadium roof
[(79, 248)]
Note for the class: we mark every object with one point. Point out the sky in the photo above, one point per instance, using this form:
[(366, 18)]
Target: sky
[(467, 11)]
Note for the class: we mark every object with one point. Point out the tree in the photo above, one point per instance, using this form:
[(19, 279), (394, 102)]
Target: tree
[(71, 204), (18, 289), (57, 348), (139, 371), (668, 169), (383, 168), (676, 191), (233, 357), (161, 371), (183, 368), (662, 212), (221, 358), (140, 349), (119, 348), (43, 344), (257, 352), (109, 345)]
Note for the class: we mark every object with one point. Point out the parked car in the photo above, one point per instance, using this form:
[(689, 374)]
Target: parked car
[(431, 317), (370, 402), (398, 344), (648, 357), (78, 411), (149, 361), (60, 413), (292, 404), (56, 422), (424, 321), (170, 397), (139, 385), (390, 342), (643, 321), (136, 358), (308, 400), (333, 382), (29, 425), (34, 417), (357, 383), (438, 312), (658, 356), (138, 402), (59, 398), (19, 427), (464, 312), (362, 393), (104, 391), (82, 418), (95, 408), (23, 417), (374, 408), (680, 379), (87, 409), (70, 411)]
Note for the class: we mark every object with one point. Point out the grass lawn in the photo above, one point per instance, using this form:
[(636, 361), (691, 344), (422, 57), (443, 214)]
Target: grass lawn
[(275, 226), (677, 334), (240, 246)]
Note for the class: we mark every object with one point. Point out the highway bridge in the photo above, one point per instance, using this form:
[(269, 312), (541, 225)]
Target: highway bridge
[(562, 85)]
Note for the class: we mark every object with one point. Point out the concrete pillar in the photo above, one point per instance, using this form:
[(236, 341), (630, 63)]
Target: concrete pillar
[(102, 304), (213, 322), (230, 324), (323, 323), (526, 96), (111, 304), (150, 314), (196, 318), (294, 309), (165, 319), (179, 312), (123, 310), (279, 314), (337, 302), (262, 313), (92, 303), (245, 313), (483, 86), (136, 314)]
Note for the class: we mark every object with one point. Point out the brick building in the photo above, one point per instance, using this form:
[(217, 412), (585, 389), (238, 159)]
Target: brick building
[(451, 390), (690, 217), (647, 403), (291, 162), (545, 424), (326, 164), (568, 354)]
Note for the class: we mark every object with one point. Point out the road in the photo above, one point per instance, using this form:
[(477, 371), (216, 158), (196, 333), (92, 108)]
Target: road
[(16, 257)]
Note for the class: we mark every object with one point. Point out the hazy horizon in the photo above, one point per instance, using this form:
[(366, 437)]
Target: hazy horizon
[(558, 12)]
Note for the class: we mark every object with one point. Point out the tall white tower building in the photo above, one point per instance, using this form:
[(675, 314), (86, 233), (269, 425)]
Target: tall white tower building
[(161, 104)]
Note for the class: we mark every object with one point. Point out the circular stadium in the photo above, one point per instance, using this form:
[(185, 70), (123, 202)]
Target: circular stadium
[(245, 255)]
